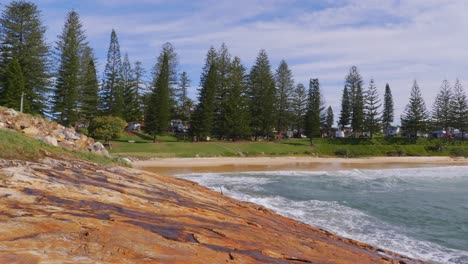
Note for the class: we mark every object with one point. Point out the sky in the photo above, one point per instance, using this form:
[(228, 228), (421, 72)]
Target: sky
[(391, 41)]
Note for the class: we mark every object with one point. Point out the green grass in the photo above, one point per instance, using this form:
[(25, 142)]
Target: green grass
[(14, 145), (168, 146)]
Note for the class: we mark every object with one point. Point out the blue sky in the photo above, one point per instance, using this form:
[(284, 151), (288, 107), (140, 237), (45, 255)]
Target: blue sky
[(394, 41)]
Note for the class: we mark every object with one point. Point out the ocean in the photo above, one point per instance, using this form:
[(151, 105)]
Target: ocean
[(418, 212)]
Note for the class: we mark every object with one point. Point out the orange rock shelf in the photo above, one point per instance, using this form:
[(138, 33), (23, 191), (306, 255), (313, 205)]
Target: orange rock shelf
[(74, 212)]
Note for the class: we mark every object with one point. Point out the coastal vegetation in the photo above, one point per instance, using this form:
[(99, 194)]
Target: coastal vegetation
[(233, 103)]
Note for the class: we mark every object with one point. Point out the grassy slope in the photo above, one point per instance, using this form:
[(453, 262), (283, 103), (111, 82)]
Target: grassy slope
[(169, 147), (14, 145)]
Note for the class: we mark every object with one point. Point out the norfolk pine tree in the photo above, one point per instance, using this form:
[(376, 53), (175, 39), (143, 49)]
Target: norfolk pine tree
[(414, 118), (459, 109), (345, 114), (236, 111), (89, 97), (223, 65), (159, 112), (22, 37), (388, 111), (441, 109), (356, 99), (131, 111), (13, 87), (372, 112), (70, 47), (111, 96), (204, 114), (314, 110), (262, 94), (329, 121), (284, 90), (182, 97), (298, 107)]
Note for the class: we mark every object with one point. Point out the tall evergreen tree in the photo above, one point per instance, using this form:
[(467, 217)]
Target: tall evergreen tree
[(299, 106), (89, 98), (284, 90), (223, 65), (112, 99), (372, 112), (354, 84), (183, 99), (204, 114), (22, 37), (131, 109), (441, 109), (159, 113), (345, 114), (329, 120), (13, 87), (459, 109), (415, 116), (141, 87), (236, 111), (388, 111), (262, 93), (315, 108), (169, 49), (211, 58), (70, 47)]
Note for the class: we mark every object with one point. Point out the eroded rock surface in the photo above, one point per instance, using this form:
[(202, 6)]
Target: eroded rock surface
[(74, 212)]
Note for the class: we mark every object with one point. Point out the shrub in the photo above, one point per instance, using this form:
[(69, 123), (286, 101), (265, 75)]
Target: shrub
[(106, 127)]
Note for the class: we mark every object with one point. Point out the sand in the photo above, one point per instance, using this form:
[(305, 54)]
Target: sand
[(171, 166)]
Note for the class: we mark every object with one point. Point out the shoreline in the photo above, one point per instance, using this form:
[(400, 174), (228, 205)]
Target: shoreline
[(172, 166)]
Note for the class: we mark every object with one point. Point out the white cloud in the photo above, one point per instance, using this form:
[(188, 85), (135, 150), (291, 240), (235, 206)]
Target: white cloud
[(389, 40)]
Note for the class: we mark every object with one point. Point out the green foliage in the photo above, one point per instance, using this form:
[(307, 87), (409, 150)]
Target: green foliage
[(329, 119), (372, 109), (345, 114), (299, 106), (183, 101), (356, 98), (262, 94), (89, 98), (70, 46), (315, 107), (224, 67), (204, 114), (14, 87), (441, 109), (236, 112), (111, 99), (22, 37), (106, 127), (284, 89), (388, 111), (459, 108), (131, 112), (414, 118)]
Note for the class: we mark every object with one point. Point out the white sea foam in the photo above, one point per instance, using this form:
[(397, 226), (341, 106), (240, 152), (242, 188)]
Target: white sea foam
[(336, 216)]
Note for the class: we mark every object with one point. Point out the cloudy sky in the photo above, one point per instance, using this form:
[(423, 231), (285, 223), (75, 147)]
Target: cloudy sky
[(394, 41)]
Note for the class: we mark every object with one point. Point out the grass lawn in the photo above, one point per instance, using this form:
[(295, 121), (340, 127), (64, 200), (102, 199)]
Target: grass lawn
[(15, 145), (141, 146)]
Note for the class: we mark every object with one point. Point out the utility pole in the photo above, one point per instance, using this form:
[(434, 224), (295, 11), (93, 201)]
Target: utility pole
[(21, 105)]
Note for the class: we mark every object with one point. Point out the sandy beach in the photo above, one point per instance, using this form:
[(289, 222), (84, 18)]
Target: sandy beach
[(171, 166)]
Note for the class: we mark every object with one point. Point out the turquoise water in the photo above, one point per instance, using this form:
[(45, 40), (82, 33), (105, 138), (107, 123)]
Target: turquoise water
[(421, 213)]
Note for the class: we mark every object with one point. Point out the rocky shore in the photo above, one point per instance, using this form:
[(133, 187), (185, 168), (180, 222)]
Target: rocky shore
[(57, 211)]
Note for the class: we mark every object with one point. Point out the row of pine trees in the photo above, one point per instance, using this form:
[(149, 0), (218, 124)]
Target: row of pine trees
[(61, 81)]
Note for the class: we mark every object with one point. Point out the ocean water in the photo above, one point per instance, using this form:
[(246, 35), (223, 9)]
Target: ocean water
[(419, 212)]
